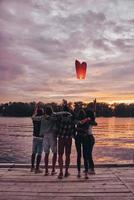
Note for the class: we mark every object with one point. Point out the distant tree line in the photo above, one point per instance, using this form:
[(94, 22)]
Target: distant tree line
[(20, 109)]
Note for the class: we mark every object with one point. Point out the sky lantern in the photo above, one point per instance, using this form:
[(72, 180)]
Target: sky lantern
[(80, 69)]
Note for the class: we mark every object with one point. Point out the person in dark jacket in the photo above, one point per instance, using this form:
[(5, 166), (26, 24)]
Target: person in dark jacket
[(84, 139), (37, 146)]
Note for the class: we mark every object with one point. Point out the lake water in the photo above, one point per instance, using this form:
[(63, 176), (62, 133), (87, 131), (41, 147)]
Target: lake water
[(114, 140)]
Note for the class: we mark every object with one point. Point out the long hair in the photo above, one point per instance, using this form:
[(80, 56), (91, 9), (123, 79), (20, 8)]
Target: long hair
[(90, 114), (82, 114), (48, 110), (39, 112)]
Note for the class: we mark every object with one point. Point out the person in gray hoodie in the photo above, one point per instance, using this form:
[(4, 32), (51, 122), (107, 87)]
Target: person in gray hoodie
[(48, 131)]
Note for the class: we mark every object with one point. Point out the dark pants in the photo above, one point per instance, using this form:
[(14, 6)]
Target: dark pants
[(64, 144), (86, 142)]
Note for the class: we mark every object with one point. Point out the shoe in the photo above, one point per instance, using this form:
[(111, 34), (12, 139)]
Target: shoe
[(78, 175), (60, 176), (53, 173), (86, 175), (67, 174), (32, 169), (46, 173), (38, 171)]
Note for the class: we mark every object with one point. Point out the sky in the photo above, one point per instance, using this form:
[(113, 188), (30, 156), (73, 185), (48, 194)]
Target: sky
[(40, 41)]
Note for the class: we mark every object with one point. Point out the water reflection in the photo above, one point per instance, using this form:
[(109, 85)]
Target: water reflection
[(114, 140)]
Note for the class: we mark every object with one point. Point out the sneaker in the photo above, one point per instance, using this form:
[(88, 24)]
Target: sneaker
[(46, 173), (67, 174), (78, 175), (53, 172), (60, 176), (86, 176), (32, 169)]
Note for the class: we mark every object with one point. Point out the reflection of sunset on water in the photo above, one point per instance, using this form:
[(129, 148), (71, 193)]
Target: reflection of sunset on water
[(114, 140), (108, 159)]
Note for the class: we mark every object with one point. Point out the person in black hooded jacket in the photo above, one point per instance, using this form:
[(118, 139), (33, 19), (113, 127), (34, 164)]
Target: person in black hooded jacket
[(84, 139)]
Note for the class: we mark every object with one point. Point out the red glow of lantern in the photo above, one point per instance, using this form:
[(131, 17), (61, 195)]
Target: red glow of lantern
[(80, 69)]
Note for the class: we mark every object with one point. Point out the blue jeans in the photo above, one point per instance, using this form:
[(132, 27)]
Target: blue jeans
[(37, 145)]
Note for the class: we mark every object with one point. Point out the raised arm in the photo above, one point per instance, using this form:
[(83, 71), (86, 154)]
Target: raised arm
[(94, 107)]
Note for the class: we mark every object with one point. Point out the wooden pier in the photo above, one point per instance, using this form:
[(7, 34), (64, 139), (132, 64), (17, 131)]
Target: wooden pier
[(109, 183)]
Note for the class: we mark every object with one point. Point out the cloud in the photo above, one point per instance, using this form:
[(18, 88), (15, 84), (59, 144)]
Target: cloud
[(40, 40)]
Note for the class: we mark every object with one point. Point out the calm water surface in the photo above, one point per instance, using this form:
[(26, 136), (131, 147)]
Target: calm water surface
[(114, 140)]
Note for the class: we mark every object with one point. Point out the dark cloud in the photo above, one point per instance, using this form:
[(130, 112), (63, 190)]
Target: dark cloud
[(40, 40), (9, 74)]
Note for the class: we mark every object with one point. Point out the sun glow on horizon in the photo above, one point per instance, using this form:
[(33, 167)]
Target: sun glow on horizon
[(39, 48)]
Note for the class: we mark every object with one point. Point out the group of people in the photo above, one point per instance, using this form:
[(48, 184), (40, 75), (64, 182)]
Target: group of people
[(55, 130)]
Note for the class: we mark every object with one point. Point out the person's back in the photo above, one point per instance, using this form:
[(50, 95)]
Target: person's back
[(36, 119), (86, 123), (82, 128), (90, 120), (48, 124), (66, 126), (37, 140), (66, 130), (84, 139)]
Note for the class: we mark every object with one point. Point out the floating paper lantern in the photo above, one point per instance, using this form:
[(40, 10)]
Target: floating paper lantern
[(80, 69)]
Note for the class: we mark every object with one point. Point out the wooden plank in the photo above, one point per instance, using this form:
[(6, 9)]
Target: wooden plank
[(57, 181), (17, 197), (102, 198), (60, 184), (124, 180), (60, 189), (106, 184), (68, 194), (6, 197)]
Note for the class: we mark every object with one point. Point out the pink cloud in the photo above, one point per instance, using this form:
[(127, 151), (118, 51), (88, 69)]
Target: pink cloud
[(39, 42)]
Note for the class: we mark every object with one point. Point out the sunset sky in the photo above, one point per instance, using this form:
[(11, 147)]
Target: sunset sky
[(40, 40)]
